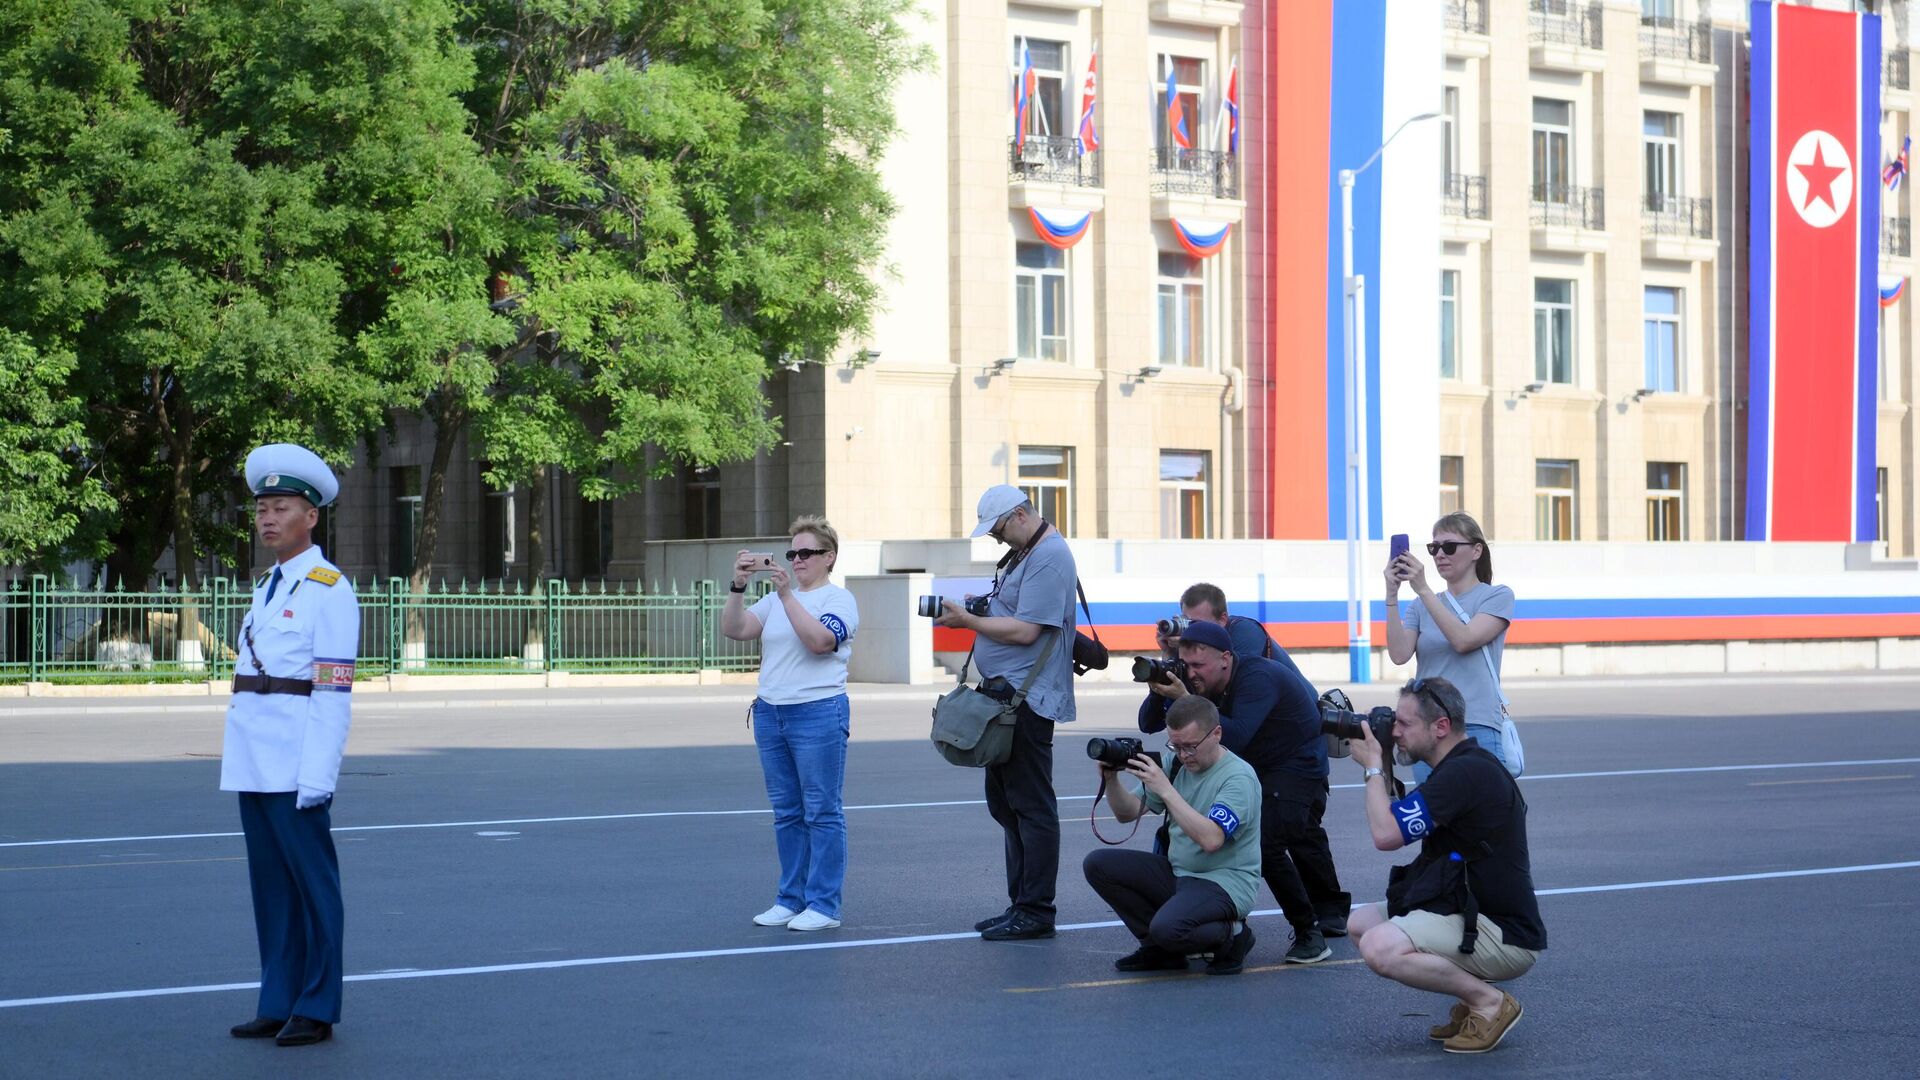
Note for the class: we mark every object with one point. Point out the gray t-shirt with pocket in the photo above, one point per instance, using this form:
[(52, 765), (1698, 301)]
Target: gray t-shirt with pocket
[(1466, 671), (1039, 590)]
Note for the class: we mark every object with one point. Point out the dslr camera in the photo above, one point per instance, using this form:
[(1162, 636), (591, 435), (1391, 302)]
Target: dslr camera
[(1175, 626), (1115, 752), (930, 606), (1154, 669), (1339, 724)]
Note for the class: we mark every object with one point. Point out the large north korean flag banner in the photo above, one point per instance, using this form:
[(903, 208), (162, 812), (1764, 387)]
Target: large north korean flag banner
[(1815, 230)]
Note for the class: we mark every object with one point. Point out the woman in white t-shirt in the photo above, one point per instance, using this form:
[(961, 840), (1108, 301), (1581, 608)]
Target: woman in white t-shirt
[(800, 717), (1447, 646)]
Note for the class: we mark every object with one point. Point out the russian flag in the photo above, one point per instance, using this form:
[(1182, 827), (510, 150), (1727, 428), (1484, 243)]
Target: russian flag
[(1230, 108), (1815, 275), (1023, 89), (1176, 116), (1897, 168), (1089, 138)]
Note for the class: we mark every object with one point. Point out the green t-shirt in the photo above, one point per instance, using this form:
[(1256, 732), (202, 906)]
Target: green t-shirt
[(1229, 794)]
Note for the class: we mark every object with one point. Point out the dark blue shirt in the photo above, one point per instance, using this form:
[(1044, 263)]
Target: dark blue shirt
[(1269, 715), (1250, 638)]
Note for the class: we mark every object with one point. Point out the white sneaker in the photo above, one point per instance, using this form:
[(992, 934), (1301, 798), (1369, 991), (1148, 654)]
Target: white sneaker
[(812, 920), (777, 915)]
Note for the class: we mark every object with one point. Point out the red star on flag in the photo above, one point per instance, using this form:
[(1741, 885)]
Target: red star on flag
[(1820, 177)]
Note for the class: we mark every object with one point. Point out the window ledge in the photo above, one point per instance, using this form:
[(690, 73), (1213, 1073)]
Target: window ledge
[(1053, 371), (1456, 388), (1666, 401), (1219, 14)]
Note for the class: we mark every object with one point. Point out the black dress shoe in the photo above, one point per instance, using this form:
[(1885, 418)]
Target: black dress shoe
[(1151, 958), (301, 1031), (1230, 960), (1021, 927), (988, 924), (259, 1027)]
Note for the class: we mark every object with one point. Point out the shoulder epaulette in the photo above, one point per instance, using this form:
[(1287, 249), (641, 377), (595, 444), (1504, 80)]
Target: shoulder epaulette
[(323, 575)]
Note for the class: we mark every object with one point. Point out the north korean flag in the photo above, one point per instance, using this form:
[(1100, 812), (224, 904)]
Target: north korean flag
[(1815, 274)]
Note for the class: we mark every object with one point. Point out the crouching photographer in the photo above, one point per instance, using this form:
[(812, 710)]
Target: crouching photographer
[(1462, 915), (1195, 897)]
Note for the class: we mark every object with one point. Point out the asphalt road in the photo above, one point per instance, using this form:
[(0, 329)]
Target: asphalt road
[(559, 884)]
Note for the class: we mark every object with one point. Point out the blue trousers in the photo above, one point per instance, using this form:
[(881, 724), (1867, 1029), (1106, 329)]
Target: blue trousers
[(803, 751), (297, 910)]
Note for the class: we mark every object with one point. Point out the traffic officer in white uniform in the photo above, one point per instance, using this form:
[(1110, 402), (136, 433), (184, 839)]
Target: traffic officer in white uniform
[(286, 731)]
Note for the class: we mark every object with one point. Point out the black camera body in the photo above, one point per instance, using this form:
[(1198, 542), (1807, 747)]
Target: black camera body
[(1339, 723), (1154, 669), (1115, 752), (931, 606)]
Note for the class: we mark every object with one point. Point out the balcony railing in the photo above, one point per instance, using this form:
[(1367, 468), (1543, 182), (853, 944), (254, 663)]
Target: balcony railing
[(1467, 16), (1566, 205), (1898, 73), (1054, 159), (1464, 196), (1896, 237), (1195, 172), (1677, 215), (1565, 22), (1669, 38)]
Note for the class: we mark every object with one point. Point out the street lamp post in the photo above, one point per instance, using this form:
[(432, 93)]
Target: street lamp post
[(1354, 316)]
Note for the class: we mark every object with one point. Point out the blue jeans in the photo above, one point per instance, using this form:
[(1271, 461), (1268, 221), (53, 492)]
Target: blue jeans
[(803, 752), (1487, 737)]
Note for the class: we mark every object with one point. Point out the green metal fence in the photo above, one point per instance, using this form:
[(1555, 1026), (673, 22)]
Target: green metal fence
[(51, 633)]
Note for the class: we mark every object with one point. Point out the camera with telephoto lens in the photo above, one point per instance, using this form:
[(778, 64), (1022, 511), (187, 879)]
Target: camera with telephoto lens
[(1340, 724), (1154, 669), (930, 606), (1175, 626), (1115, 753)]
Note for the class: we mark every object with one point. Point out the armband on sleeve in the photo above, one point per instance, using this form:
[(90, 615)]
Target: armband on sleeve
[(1411, 815), (1222, 815), (836, 624)]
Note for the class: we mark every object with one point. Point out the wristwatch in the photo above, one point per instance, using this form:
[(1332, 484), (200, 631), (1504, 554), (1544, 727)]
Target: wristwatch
[(737, 588), (1370, 774)]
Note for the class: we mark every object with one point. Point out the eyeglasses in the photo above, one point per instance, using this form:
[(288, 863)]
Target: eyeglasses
[(1449, 546), (796, 554), (1189, 751)]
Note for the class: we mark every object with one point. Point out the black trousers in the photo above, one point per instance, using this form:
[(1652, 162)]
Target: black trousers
[(1020, 797), (1294, 857), (1183, 915)]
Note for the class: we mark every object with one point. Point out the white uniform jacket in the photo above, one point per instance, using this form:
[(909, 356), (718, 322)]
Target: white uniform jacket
[(309, 630)]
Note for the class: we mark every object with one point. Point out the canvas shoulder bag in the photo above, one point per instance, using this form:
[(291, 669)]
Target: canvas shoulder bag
[(975, 729), (1516, 756)]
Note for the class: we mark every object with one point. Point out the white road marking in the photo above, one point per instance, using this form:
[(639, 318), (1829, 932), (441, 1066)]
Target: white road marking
[(763, 812), (391, 974)]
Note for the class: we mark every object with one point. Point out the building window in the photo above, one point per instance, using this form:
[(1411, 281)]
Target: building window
[(1182, 310), (1449, 133), (1666, 500), (1552, 330), (1047, 116), (323, 534), (1453, 482), (1661, 10), (1883, 380), (1882, 507), (596, 537), (1046, 477), (1556, 496), (1183, 494), (497, 532), (1040, 302), (407, 508), (1660, 145), (1189, 77), (1552, 151), (702, 513), (1449, 324), (1661, 327)]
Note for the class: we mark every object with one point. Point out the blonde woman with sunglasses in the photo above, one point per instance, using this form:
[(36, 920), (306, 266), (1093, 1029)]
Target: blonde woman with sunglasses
[(1446, 646)]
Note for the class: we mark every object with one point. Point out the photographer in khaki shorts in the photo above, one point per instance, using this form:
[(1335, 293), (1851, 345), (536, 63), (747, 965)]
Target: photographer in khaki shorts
[(1463, 914)]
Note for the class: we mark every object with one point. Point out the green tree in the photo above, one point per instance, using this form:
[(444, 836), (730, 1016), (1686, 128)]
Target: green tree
[(45, 484)]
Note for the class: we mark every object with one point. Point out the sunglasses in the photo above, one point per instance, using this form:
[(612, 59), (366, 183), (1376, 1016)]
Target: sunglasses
[(1448, 546), (796, 554), (1420, 689)]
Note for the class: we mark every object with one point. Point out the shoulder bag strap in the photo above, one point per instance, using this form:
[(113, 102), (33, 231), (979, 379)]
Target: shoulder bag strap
[(1053, 639), (1077, 587), (1484, 654)]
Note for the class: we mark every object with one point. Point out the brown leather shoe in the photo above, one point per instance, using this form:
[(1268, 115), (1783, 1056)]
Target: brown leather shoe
[(1443, 1032), (1479, 1035)]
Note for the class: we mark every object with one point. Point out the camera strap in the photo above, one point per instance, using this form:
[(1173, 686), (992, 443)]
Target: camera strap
[(1161, 836), (1093, 819)]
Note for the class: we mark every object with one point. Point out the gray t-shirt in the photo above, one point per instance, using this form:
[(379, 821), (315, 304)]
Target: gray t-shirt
[(1466, 671), (1039, 590)]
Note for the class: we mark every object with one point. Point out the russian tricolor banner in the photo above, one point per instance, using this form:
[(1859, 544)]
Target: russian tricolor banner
[(1815, 274)]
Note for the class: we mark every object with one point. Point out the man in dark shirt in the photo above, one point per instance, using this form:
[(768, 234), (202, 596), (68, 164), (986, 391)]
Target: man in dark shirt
[(1270, 717), (1205, 602), (1462, 915)]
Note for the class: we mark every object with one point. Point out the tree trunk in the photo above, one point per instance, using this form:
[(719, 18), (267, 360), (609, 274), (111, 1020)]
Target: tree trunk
[(187, 645), (535, 646), (448, 421)]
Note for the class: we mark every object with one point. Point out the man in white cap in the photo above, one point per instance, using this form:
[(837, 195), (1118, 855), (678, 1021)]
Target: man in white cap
[(1027, 631), (286, 731)]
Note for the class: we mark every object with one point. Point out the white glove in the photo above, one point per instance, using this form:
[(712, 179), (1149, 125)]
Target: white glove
[(308, 798)]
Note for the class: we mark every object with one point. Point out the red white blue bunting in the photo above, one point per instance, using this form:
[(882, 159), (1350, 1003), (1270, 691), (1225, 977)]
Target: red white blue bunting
[(1060, 228), (1891, 287), (1201, 238)]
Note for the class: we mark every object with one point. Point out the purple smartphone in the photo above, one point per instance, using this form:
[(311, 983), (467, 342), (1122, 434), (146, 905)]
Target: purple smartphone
[(1396, 546)]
